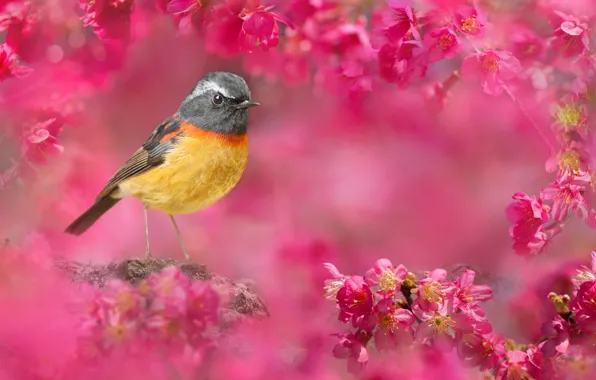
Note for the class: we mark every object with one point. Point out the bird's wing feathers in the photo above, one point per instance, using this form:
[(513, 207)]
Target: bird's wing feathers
[(150, 155)]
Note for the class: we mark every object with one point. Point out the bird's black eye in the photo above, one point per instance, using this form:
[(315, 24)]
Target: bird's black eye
[(218, 99)]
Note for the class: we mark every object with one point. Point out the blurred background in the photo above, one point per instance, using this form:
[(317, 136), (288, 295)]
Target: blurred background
[(327, 180)]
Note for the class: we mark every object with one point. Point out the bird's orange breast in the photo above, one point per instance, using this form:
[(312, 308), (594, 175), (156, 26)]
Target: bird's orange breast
[(201, 169)]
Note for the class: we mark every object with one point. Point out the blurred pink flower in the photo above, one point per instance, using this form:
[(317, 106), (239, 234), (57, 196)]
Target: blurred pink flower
[(570, 114), (528, 215), (332, 286), (222, 30), (566, 197), (387, 277), (557, 332), (353, 347), (570, 164), (484, 351), (469, 21), (586, 274), (441, 43), (395, 326), (527, 210), (397, 20), (41, 140), (584, 307), (571, 37), (9, 64), (260, 28), (493, 67), (402, 63), (355, 298), (517, 366), (526, 45), (110, 19)]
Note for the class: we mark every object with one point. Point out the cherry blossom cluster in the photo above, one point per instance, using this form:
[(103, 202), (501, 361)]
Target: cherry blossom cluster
[(168, 309), (392, 310)]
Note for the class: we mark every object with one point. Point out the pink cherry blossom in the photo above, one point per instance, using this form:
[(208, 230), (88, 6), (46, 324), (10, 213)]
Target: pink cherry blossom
[(516, 366), (442, 43), (571, 37), (566, 197), (398, 20), (570, 164), (333, 285), (41, 140), (468, 294), (469, 21), (394, 326), (557, 333), (355, 298), (110, 19), (432, 293), (484, 351), (493, 67), (260, 28), (586, 274), (353, 347), (9, 64), (387, 277)]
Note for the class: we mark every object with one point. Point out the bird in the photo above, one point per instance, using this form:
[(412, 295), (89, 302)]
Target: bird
[(189, 162)]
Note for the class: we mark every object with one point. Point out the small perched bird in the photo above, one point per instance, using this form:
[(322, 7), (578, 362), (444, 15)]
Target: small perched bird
[(190, 161)]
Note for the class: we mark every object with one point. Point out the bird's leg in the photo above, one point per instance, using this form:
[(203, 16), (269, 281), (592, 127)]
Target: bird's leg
[(147, 252), (186, 255)]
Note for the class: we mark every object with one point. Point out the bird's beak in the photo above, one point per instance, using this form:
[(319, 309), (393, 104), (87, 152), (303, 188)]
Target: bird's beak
[(247, 104)]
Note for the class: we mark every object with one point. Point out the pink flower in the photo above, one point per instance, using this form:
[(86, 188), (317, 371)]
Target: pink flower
[(260, 28), (571, 37), (9, 64), (441, 43), (443, 328), (353, 347), (493, 67), (355, 298), (525, 243), (398, 20), (41, 140), (110, 19), (395, 326), (332, 286), (526, 45), (469, 21), (432, 293), (566, 197), (386, 277), (402, 63), (570, 164), (469, 295), (557, 332), (586, 274), (527, 210), (584, 307), (222, 30), (570, 114), (202, 304), (483, 351), (517, 366)]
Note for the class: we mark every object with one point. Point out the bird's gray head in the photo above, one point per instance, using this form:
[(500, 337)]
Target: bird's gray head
[(218, 103)]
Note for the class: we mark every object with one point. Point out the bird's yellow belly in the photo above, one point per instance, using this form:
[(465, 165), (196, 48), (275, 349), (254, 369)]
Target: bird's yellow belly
[(196, 174)]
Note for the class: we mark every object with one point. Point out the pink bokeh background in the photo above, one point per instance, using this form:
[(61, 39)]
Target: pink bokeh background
[(327, 181)]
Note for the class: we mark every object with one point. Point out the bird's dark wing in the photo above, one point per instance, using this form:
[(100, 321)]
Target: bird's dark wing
[(150, 155)]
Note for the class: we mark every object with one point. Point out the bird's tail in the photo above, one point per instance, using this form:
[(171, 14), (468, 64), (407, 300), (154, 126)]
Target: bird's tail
[(89, 217)]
